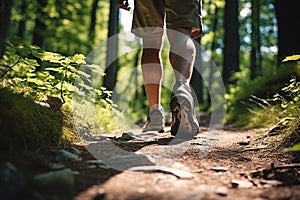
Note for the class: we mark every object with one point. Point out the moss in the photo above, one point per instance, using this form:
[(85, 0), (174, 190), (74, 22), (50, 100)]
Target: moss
[(25, 124)]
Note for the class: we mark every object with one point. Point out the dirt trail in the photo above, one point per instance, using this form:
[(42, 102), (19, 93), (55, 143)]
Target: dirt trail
[(227, 164), (219, 164)]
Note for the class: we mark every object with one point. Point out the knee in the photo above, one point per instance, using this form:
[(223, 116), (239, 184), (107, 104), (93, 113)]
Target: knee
[(181, 43), (152, 43)]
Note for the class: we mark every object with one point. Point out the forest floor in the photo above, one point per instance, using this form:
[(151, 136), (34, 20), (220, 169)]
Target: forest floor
[(219, 164)]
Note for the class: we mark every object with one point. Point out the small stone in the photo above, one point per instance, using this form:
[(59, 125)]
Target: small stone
[(241, 184), (56, 166), (219, 169), (198, 170), (64, 155), (273, 183), (222, 191), (62, 178), (245, 142), (127, 136), (75, 151), (95, 162), (11, 181)]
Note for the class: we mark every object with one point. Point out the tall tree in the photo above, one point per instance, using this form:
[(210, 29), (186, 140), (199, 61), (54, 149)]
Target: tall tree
[(231, 40), (255, 67), (110, 77), (93, 20), (40, 26), (22, 23), (5, 7), (288, 16)]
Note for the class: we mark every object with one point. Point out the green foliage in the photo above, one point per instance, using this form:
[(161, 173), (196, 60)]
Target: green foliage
[(66, 24), (269, 100), (248, 97), (290, 104), (292, 58), (42, 75)]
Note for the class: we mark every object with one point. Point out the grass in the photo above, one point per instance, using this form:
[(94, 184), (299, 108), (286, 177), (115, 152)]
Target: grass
[(274, 102), (26, 125)]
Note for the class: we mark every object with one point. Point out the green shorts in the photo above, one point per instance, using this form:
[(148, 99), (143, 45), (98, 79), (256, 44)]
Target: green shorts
[(151, 16)]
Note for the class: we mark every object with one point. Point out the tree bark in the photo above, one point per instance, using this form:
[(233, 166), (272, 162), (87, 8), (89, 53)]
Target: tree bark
[(255, 67), (93, 20), (5, 8), (40, 26), (22, 23), (112, 63), (288, 15), (231, 41)]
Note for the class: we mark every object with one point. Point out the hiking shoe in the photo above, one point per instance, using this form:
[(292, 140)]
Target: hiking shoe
[(184, 121), (155, 121)]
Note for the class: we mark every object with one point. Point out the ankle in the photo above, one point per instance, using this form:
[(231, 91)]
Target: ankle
[(155, 107)]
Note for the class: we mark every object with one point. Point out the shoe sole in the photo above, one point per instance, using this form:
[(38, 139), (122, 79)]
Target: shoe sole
[(182, 112)]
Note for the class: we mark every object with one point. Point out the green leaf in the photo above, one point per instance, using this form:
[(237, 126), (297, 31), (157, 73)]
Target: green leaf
[(284, 105), (296, 147), (31, 62), (55, 69), (291, 58), (52, 57), (23, 51), (79, 59), (38, 53), (36, 81)]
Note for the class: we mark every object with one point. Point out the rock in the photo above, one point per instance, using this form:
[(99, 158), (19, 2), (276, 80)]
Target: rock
[(222, 191), (11, 181), (245, 142), (97, 163), (56, 166), (176, 172), (123, 162), (74, 150), (273, 183), (63, 155), (127, 136), (219, 169), (62, 178), (241, 184)]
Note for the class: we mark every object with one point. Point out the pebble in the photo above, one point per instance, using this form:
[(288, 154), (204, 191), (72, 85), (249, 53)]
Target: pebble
[(222, 191), (219, 169), (241, 184)]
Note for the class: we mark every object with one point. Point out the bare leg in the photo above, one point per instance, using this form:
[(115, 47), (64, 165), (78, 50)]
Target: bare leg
[(182, 54), (182, 57), (152, 70)]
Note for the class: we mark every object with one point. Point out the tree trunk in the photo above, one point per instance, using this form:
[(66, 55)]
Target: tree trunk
[(110, 77), (5, 7), (255, 67), (40, 27), (288, 15), (213, 49), (231, 41), (93, 20), (22, 23)]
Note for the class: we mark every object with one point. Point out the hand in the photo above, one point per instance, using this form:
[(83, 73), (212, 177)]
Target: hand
[(124, 4)]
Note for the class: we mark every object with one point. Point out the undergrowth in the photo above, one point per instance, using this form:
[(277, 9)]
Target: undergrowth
[(269, 101), (37, 90)]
